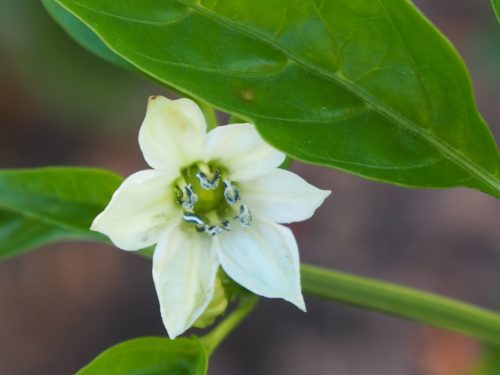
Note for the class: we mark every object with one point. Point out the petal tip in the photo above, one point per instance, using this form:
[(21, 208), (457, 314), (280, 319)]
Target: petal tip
[(299, 302), (172, 333), (326, 193), (95, 226), (153, 99), (321, 196), (173, 327)]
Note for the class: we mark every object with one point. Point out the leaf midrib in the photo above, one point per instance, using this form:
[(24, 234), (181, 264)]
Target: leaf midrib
[(456, 157)]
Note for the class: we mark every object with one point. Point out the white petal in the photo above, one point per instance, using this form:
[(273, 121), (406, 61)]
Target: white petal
[(139, 210), (262, 258), (172, 133), (184, 271), (282, 196), (242, 151)]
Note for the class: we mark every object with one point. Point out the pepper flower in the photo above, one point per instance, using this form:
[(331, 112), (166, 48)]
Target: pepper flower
[(211, 200)]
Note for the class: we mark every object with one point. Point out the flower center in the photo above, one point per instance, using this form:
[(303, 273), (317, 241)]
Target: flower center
[(210, 200), (206, 186)]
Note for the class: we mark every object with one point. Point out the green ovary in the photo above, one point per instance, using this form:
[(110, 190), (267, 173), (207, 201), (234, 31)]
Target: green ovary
[(208, 199)]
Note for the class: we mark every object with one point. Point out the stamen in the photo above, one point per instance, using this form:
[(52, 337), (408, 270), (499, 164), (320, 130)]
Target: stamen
[(245, 216), (193, 218), (226, 225), (231, 192), (198, 222), (190, 200), (207, 183), (213, 230), (193, 198)]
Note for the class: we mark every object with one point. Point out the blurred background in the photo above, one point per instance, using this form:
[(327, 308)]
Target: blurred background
[(62, 305)]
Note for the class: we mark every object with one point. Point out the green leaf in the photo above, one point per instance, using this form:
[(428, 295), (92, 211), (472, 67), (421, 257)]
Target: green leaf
[(496, 8), (40, 206), (18, 234), (368, 87), (402, 301), (151, 356)]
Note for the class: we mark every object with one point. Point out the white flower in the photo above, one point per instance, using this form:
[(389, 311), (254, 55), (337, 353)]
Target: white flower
[(212, 199)]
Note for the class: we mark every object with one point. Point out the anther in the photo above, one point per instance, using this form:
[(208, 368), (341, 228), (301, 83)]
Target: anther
[(207, 183), (193, 219), (189, 202), (213, 230), (198, 222), (226, 225), (191, 194), (231, 192), (245, 216)]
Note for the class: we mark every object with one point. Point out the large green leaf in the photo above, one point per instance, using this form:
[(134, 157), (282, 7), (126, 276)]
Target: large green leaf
[(368, 87), (43, 205), (150, 356)]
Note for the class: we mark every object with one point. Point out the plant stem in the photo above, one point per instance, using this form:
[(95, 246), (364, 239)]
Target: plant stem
[(214, 338), (402, 301)]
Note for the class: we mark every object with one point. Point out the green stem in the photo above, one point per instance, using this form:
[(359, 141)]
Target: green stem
[(214, 338), (402, 301), (210, 114)]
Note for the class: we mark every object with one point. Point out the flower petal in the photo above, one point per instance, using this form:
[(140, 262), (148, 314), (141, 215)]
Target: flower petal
[(262, 258), (138, 211), (282, 196), (184, 271), (241, 149), (172, 133)]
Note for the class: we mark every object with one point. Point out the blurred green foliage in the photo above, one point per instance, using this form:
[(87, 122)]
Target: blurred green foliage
[(66, 82)]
